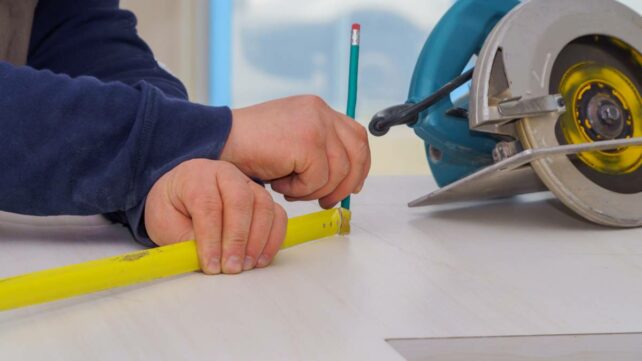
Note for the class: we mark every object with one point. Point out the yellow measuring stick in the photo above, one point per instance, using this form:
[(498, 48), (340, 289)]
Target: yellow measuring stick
[(142, 266)]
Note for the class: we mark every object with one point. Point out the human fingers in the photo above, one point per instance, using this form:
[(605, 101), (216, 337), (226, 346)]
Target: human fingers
[(309, 175), (262, 219), (338, 168), (276, 238), (198, 192), (166, 221), (238, 208), (354, 139)]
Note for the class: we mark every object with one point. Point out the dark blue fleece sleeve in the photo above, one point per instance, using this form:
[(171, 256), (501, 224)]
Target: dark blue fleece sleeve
[(96, 38), (92, 122)]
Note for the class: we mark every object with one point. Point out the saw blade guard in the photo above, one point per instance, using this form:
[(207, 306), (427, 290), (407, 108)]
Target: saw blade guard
[(452, 149), (588, 51)]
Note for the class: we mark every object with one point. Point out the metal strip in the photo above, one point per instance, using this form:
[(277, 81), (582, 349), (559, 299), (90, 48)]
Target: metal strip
[(500, 179)]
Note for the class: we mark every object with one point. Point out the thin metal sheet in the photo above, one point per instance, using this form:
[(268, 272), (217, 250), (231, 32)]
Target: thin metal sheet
[(489, 184), (587, 347), (511, 176)]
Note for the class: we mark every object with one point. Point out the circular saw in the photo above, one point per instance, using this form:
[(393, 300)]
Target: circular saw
[(551, 100)]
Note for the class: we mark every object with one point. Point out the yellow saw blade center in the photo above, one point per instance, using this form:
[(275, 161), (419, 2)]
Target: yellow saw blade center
[(603, 103)]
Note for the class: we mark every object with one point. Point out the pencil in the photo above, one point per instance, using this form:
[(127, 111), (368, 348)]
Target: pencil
[(353, 76)]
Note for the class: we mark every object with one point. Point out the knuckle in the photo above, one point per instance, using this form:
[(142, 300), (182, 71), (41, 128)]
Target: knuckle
[(343, 169), (313, 101), (198, 167), (189, 164), (263, 202), (320, 181), (261, 192), (312, 134), (238, 210), (226, 169), (196, 179), (363, 150), (207, 204), (239, 197), (362, 133), (237, 239), (193, 194), (279, 213)]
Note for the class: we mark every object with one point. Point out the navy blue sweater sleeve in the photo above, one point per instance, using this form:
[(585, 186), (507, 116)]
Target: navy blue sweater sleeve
[(92, 122), (96, 38)]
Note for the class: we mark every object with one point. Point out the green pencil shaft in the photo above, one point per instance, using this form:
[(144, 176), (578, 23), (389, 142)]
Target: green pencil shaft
[(352, 95), (352, 81)]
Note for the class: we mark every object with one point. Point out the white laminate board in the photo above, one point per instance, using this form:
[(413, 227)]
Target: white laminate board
[(525, 266)]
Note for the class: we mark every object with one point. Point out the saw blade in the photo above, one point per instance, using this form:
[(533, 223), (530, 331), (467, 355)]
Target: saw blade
[(600, 79)]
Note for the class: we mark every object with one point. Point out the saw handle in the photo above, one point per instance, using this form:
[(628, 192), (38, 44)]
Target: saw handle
[(409, 113), (459, 35)]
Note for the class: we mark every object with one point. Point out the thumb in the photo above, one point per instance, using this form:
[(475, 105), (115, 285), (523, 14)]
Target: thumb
[(165, 222)]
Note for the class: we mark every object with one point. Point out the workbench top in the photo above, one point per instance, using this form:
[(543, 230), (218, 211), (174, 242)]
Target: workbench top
[(525, 266)]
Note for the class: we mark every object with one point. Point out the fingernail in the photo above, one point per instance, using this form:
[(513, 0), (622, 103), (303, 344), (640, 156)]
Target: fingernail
[(233, 264), (214, 267), (263, 261), (248, 263)]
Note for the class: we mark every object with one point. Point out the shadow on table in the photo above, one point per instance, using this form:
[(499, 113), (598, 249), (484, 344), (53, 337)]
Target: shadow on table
[(64, 233), (534, 211), (84, 303)]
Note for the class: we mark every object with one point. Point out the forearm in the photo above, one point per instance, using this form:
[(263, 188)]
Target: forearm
[(96, 38), (82, 146), (151, 133)]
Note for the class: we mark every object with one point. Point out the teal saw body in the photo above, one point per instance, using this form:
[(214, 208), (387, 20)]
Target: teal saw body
[(452, 149), (554, 103)]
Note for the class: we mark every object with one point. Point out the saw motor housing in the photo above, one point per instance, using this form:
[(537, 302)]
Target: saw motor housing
[(554, 104), (453, 151)]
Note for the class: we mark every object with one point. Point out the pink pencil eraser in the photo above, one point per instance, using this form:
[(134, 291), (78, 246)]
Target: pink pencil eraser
[(356, 26)]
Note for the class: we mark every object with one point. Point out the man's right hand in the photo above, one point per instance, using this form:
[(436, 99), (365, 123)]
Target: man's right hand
[(304, 148), (236, 224)]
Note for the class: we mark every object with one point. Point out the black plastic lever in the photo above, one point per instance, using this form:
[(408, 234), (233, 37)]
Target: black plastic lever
[(409, 113)]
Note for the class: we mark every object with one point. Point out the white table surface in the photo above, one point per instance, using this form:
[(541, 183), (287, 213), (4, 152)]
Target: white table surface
[(525, 266)]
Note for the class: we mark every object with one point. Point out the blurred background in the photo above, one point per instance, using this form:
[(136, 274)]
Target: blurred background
[(243, 52)]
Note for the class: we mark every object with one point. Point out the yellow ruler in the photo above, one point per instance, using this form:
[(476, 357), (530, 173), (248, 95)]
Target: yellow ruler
[(142, 266)]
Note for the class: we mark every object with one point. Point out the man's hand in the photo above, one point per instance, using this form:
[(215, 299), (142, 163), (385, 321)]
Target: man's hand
[(302, 147), (236, 224)]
